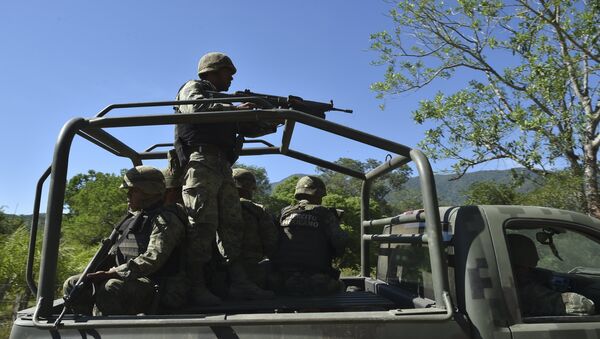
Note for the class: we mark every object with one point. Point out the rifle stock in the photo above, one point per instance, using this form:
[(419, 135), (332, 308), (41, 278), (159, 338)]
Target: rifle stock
[(91, 267)]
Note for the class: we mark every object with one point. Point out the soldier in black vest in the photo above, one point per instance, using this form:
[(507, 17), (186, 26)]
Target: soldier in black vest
[(206, 153), (146, 267), (310, 238)]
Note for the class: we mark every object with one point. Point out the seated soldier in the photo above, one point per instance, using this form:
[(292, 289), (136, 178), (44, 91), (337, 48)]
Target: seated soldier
[(310, 237), (173, 186), (260, 233), (147, 265), (537, 298)]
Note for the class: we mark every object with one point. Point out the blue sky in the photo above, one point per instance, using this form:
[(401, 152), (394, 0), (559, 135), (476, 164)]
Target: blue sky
[(63, 59)]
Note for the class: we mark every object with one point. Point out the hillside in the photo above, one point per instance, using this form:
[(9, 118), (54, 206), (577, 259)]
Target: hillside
[(450, 192)]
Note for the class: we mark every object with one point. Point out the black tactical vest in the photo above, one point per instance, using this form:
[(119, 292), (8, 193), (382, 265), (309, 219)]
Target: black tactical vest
[(134, 239), (303, 245), (222, 135)]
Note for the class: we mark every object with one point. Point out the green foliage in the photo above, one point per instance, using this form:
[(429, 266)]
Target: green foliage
[(263, 185), (409, 200), (338, 183), (282, 195), (534, 70), (350, 222), (492, 193), (96, 203), (8, 224), (560, 190)]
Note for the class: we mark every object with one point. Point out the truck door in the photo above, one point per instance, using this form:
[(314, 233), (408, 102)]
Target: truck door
[(554, 275)]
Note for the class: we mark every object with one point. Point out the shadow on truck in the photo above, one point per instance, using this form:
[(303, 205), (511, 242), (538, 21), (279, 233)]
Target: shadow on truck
[(440, 272)]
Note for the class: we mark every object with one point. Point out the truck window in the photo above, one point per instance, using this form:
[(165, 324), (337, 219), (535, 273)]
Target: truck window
[(407, 265), (555, 269)]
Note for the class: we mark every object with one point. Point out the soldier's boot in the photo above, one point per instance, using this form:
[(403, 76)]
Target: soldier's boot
[(201, 295), (242, 288)]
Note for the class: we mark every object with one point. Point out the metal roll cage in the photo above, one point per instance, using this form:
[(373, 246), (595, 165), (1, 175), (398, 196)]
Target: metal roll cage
[(93, 130)]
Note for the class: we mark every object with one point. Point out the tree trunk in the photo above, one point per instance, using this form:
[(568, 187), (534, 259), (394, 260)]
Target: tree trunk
[(590, 181)]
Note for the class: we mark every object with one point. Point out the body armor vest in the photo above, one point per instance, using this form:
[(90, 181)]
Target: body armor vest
[(303, 243), (222, 135), (134, 239)]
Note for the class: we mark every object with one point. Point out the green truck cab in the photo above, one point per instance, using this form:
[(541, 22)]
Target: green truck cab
[(440, 272)]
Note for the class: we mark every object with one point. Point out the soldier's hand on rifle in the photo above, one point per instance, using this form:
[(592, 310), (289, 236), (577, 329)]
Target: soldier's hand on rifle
[(101, 276), (246, 105)]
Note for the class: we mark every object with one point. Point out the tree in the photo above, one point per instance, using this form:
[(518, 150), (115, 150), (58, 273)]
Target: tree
[(8, 224), (95, 203), (338, 183), (491, 193), (282, 195), (263, 185), (559, 190), (533, 95)]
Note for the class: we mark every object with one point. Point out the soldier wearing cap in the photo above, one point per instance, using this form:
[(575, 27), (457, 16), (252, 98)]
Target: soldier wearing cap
[(173, 187), (146, 267), (310, 238), (259, 234), (206, 153), (537, 298)]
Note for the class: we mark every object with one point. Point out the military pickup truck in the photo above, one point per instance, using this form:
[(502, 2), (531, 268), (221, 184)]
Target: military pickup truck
[(439, 272)]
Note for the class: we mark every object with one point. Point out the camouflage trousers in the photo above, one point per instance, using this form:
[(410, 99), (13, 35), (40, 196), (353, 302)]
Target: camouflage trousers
[(116, 296), (212, 205), (113, 296)]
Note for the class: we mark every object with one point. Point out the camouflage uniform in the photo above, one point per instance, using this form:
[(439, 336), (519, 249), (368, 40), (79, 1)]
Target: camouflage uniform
[(209, 194), (259, 241), (539, 299), (147, 256), (310, 238), (536, 299), (536, 295)]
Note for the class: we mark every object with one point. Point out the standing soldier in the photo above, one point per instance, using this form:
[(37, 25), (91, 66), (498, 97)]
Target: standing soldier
[(311, 237), (260, 233), (206, 152), (146, 255)]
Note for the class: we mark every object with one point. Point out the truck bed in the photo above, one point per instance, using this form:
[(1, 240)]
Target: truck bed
[(343, 301)]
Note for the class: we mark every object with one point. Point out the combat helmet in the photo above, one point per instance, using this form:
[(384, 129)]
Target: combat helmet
[(244, 178), (172, 178), (214, 61), (146, 178), (310, 185)]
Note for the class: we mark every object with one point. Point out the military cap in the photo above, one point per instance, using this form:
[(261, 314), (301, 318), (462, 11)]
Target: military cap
[(310, 185), (172, 179), (147, 178), (214, 61), (243, 178)]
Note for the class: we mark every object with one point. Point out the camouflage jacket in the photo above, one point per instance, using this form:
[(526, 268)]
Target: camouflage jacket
[(260, 233), (227, 136), (167, 233)]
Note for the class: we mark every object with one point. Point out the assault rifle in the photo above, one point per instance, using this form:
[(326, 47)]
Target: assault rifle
[(314, 108), (91, 267)]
